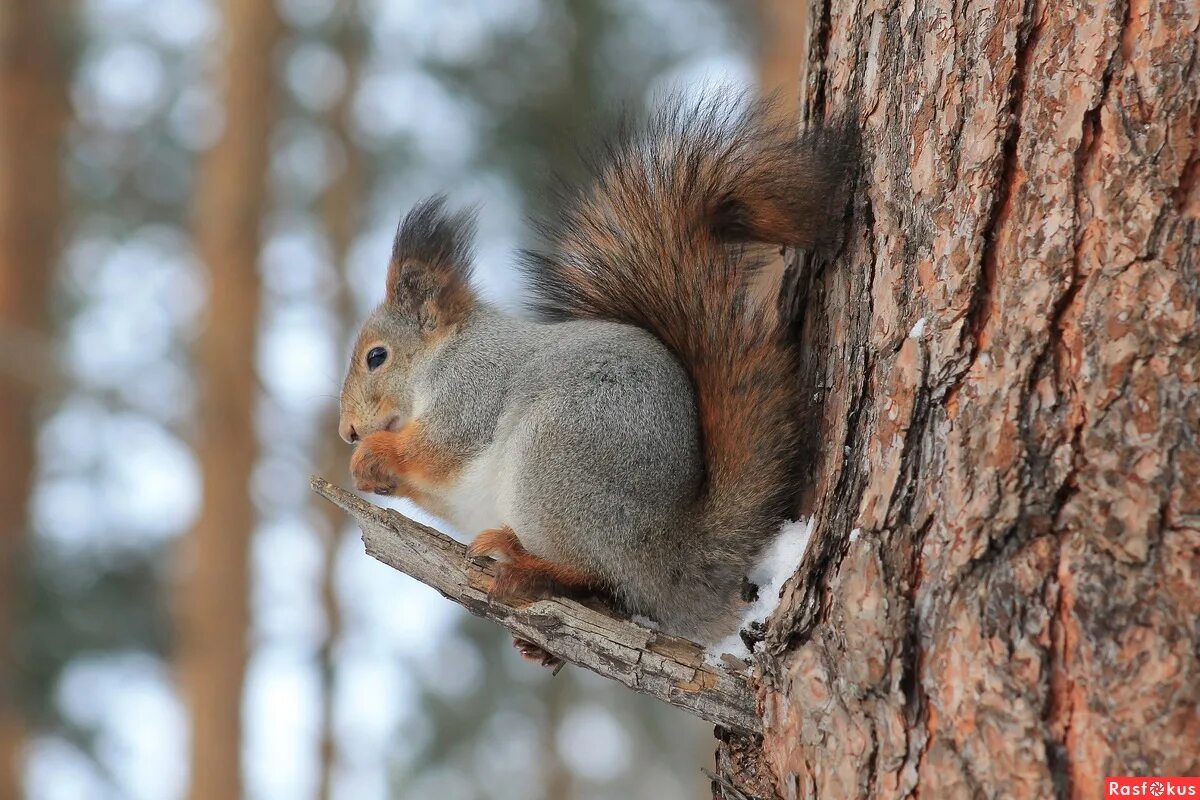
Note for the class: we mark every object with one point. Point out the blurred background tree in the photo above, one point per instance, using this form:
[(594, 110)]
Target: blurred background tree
[(196, 205), (33, 70)]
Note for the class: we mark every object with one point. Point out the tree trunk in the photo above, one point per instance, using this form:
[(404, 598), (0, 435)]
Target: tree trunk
[(341, 208), (229, 207), (782, 26), (33, 80), (1002, 597)]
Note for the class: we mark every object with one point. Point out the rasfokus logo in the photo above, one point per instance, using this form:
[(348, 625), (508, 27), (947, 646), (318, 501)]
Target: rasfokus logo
[(1151, 786)]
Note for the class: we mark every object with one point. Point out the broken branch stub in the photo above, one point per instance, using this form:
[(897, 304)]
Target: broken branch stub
[(586, 634)]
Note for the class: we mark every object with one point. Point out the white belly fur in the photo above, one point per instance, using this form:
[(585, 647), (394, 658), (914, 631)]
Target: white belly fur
[(472, 502)]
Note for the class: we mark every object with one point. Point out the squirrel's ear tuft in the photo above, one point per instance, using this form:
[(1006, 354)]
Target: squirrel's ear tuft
[(429, 278), (432, 235)]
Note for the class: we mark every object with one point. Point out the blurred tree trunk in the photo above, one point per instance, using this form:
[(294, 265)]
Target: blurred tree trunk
[(782, 26), (341, 210), (556, 698), (33, 118), (231, 198), (1002, 598)]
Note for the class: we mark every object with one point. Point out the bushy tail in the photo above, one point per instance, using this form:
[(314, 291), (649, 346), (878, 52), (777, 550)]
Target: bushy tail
[(665, 239)]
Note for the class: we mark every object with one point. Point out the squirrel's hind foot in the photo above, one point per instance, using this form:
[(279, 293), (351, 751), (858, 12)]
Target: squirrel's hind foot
[(520, 573), (500, 544), (534, 652)]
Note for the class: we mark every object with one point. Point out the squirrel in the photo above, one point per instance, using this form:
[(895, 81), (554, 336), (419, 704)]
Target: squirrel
[(637, 437)]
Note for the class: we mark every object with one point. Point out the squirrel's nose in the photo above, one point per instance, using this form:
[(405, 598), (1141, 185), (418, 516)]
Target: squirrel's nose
[(347, 432)]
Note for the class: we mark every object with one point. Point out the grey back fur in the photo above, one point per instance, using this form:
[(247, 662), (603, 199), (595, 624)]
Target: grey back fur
[(591, 430)]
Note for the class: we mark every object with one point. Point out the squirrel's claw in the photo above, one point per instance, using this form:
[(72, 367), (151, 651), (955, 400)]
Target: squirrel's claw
[(535, 653)]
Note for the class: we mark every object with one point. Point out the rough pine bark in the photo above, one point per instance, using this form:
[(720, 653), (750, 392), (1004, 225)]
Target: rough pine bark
[(1002, 596), (33, 119), (231, 196)]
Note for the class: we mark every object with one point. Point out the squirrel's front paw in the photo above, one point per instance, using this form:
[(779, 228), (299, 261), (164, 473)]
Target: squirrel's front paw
[(369, 466)]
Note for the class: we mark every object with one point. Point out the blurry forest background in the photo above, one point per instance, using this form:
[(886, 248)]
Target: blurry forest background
[(197, 199)]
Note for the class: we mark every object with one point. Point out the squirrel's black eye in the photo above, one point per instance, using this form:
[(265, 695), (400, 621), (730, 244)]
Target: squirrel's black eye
[(375, 357)]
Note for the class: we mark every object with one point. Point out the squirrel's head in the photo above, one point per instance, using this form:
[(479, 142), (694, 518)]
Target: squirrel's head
[(428, 297)]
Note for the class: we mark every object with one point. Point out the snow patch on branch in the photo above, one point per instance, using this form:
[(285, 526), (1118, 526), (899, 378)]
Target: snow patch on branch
[(645, 622), (918, 329), (779, 562)]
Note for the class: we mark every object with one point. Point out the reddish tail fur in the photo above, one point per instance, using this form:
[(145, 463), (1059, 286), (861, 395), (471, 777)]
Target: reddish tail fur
[(665, 239)]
